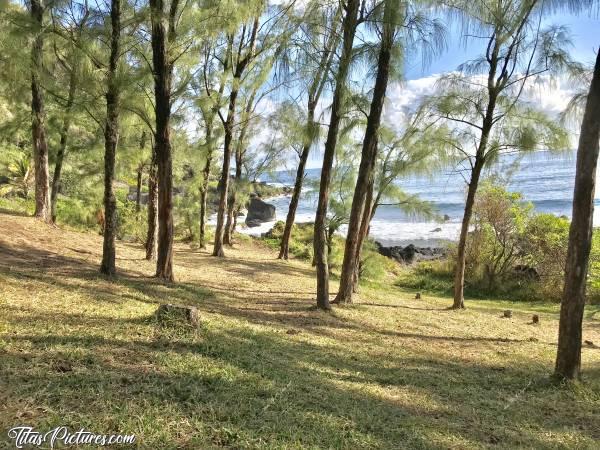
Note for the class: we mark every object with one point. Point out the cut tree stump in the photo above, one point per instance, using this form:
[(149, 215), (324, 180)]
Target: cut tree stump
[(418, 296), (508, 313), (535, 319), (172, 314)]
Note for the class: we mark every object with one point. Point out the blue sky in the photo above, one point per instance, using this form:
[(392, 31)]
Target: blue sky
[(585, 34)]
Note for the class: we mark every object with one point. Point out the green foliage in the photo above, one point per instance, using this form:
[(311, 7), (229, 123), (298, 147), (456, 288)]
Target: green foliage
[(507, 236), (374, 267), (593, 288)]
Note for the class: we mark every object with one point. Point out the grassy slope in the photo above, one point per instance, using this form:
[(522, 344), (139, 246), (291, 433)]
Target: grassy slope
[(265, 370)]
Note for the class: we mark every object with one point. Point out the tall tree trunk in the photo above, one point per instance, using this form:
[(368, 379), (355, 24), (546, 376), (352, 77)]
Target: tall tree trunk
[(320, 228), (162, 95), (228, 125), (366, 170), (111, 139), (204, 186), (291, 215), (568, 356), (38, 117), (224, 182), (64, 136), (239, 161), (459, 274), (480, 161), (312, 127), (152, 233), (362, 234), (138, 188)]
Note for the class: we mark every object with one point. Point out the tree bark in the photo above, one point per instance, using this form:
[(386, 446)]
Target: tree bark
[(314, 94), (64, 136), (162, 95), (231, 208), (138, 189), (204, 186), (38, 117), (320, 228), (459, 274), (366, 170), (568, 356), (224, 182), (152, 233), (111, 139), (291, 215), (363, 233), (228, 125)]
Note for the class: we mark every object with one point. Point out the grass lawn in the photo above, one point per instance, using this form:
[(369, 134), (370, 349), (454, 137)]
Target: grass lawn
[(264, 369)]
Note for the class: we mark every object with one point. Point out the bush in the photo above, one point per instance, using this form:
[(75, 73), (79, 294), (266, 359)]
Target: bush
[(512, 252)]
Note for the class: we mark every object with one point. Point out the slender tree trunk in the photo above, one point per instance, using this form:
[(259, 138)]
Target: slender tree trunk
[(64, 136), (228, 127), (138, 189), (231, 208), (224, 182), (152, 233), (320, 228), (363, 233), (162, 94), (312, 127), (38, 117), (111, 139), (366, 170), (205, 179), (568, 356), (459, 274), (291, 215)]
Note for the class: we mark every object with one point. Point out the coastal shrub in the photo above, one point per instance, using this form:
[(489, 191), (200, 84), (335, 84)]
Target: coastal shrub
[(498, 237), (512, 252)]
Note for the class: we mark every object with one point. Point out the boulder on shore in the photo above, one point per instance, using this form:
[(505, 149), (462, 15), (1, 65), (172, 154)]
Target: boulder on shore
[(259, 212), (411, 254)]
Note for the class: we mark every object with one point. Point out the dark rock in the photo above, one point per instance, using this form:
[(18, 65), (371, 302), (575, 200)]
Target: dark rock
[(526, 272), (535, 319), (446, 217), (418, 296), (507, 314), (411, 254), (436, 230), (168, 313), (259, 212), (4, 179), (253, 223), (143, 197)]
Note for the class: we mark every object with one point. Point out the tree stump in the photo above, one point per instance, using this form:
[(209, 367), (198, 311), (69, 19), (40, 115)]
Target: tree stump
[(507, 314), (418, 296), (535, 319), (173, 314)]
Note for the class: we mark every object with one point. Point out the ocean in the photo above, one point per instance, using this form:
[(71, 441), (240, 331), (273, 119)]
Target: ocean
[(544, 179)]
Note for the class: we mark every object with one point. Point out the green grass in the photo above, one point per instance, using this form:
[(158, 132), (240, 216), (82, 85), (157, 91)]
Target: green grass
[(265, 370)]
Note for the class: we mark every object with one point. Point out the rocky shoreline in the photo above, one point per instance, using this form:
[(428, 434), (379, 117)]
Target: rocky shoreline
[(411, 253)]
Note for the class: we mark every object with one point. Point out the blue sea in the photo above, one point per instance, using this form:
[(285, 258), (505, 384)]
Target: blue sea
[(543, 178)]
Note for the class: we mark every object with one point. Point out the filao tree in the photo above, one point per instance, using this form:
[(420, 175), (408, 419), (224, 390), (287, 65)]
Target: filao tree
[(350, 23), (111, 139), (484, 98), (393, 11), (37, 10), (568, 357), (315, 47)]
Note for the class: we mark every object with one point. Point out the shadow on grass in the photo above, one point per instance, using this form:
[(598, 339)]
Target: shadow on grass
[(242, 388)]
